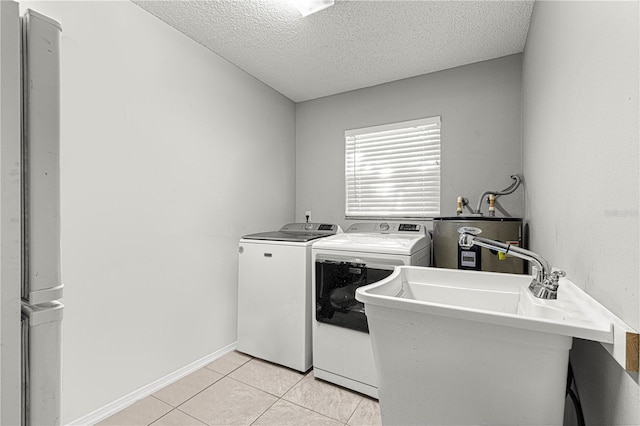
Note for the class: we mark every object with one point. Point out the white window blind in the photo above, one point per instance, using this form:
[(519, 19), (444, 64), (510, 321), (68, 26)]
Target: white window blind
[(394, 170)]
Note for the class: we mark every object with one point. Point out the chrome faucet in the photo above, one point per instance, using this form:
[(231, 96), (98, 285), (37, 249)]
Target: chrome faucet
[(544, 284)]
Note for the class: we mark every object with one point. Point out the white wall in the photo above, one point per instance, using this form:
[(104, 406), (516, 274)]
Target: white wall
[(10, 248), (580, 150), (480, 109), (169, 155)]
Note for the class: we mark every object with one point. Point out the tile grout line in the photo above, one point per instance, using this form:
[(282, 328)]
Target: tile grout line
[(187, 414), (314, 411), (322, 414), (263, 413), (281, 398), (194, 395), (172, 410), (262, 390), (354, 411), (304, 375), (199, 392), (278, 398), (164, 402)]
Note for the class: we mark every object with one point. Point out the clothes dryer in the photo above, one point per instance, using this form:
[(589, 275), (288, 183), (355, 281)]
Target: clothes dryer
[(366, 253)]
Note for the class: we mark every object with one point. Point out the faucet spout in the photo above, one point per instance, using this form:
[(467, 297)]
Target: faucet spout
[(544, 284)]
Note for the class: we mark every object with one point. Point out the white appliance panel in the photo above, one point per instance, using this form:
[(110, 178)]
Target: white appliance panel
[(41, 158), (43, 332), (274, 285), (395, 244), (337, 364), (339, 359), (40, 163)]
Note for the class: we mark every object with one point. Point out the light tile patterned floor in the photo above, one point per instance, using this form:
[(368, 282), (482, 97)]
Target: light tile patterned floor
[(240, 390)]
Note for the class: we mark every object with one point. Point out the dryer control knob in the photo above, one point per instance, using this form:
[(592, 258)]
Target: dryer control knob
[(384, 226)]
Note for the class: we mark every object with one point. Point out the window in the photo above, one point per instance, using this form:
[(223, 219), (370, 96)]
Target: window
[(393, 171)]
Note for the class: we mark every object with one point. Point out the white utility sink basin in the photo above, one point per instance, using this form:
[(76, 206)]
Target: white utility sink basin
[(502, 299), (463, 347)]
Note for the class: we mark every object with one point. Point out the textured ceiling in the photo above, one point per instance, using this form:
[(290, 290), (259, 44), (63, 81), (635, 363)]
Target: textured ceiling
[(351, 45)]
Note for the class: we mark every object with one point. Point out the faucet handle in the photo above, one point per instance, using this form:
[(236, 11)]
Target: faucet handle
[(549, 287), (551, 283)]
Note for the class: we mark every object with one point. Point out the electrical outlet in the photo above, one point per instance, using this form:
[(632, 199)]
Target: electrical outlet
[(308, 214)]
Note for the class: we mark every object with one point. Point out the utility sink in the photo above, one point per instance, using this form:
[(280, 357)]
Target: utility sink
[(456, 347), (496, 298)]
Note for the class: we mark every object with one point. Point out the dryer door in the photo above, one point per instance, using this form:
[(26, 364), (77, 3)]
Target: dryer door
[(336, 284)]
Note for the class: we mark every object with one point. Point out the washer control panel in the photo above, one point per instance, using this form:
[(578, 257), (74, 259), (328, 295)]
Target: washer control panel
[(310, 227), (409, 227)]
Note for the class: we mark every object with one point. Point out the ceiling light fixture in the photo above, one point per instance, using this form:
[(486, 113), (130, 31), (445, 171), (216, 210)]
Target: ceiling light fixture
[(307, 7)]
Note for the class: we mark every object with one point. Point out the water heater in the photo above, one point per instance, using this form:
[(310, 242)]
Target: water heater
[(447, 253)]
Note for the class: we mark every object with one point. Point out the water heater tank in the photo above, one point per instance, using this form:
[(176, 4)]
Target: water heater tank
[(447, 254)]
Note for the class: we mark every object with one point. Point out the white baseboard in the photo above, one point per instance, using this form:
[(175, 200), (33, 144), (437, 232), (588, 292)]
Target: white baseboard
[(127, 400)]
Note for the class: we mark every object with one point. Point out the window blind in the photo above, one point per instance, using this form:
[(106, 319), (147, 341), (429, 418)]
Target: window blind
[(393, 170)]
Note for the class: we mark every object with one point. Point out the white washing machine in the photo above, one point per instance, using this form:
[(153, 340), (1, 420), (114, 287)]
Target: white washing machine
[(274, 293), (366, 253)]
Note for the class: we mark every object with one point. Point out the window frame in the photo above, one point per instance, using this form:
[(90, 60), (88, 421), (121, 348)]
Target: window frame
[(429, 143)]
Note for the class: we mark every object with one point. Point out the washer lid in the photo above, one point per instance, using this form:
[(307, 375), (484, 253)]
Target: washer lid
[(374, 243), (283, 236), (297, 232)]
